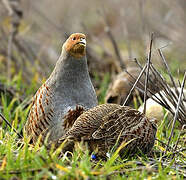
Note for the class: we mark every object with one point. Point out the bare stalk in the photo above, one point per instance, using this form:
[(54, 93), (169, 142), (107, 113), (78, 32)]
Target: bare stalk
[(7, 122), (112, 39), (141, 73), (177, 110), (147, 73)]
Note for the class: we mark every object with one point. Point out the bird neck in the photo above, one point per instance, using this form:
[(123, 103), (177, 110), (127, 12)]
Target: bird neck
[(69, 70)]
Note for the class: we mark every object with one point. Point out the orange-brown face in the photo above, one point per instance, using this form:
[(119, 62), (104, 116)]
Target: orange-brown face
[(75, 45)]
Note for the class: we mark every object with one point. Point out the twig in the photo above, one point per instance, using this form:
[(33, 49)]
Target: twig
[(170, 95), (141, 73), (179, 151), (178, 139), (177, 110), (48, 20), (167, 67), (16, 14), (169, 72), (7, 122), (140, 66), (19, 171), (106, 52), (160, 98), (11, 91), (138, 63), (112, 39), (126, 34), (147, 74), (9, 51), (163, 85), (184, 96), (155, 98), (8, 7), (97, 41), (163, 143)]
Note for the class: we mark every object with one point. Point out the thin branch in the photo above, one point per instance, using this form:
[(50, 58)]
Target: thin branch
[(184, 96), (167, 67), (178, 139), (16, 14), (112, 39), (141, 73), (169, 72), (153, 96), (147, 74), (10, 91), (163, 143), (138, 63), (7, 122), (170, 95), (177, 110), (140, 66), (8, 7), (19, 171), (9, 52)]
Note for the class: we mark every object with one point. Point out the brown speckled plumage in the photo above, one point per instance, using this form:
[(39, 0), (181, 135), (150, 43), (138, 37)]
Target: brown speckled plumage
[(120, 87), (102, 125)]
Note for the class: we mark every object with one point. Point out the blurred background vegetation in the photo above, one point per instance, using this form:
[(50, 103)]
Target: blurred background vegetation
[(32, 33), (31, 37)]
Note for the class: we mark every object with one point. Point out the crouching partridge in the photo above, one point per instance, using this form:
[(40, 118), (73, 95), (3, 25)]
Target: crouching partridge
[(65, 95), (106, 125), (121, 85)]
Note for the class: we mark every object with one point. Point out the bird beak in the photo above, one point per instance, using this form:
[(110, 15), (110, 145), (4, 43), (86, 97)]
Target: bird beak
[(82, 41)]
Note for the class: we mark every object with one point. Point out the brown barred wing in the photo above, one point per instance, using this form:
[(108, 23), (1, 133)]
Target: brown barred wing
[(88, 122), (85, 125), (105, 125), (127, 125), (41, 113)]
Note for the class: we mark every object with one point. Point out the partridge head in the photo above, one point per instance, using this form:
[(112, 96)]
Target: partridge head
[(65, 95)]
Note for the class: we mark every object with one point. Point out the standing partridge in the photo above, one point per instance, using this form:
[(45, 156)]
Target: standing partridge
[(106, 125), (65, 95)]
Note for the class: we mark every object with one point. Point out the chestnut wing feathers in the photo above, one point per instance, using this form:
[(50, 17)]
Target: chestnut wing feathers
[(41, 113)]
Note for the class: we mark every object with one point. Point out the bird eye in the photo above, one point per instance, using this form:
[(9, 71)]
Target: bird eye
[(74, 38)]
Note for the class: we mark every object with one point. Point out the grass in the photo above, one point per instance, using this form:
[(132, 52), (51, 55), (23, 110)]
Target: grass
[(20, 160)]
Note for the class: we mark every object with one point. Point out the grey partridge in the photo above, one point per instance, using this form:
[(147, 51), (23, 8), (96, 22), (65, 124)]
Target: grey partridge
[(65, 95), (120, 87), (105, 125)]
